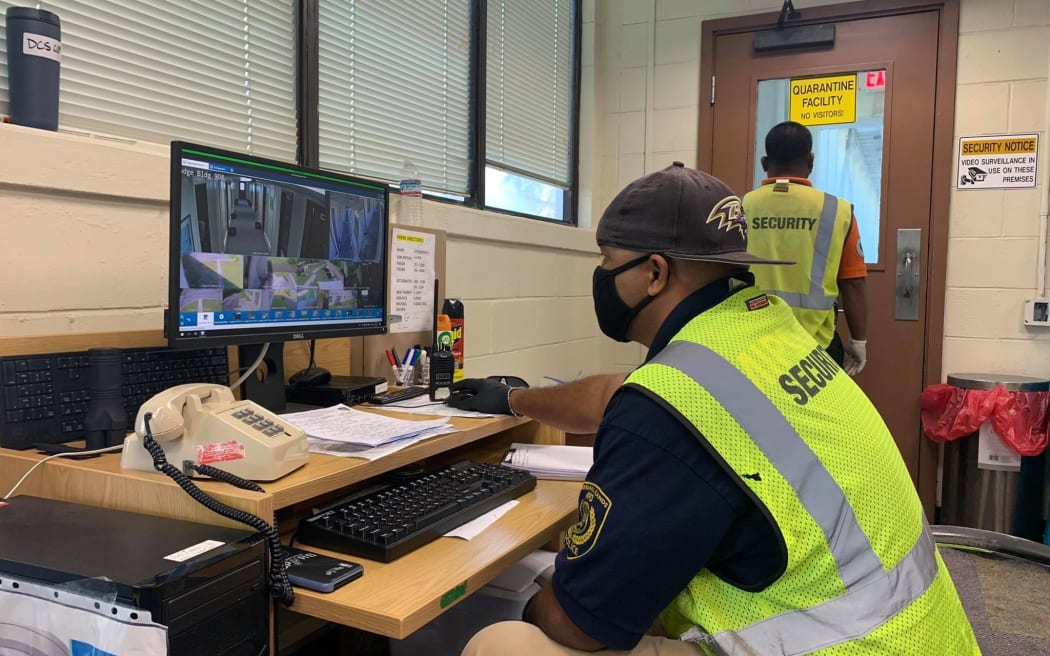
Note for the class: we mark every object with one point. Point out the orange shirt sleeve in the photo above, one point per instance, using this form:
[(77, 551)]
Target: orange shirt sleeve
[(852, 263)]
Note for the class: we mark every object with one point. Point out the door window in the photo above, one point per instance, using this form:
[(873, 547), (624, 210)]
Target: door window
[(847, 156)]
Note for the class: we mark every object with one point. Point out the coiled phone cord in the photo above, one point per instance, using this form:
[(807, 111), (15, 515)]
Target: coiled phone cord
[(280, 586)]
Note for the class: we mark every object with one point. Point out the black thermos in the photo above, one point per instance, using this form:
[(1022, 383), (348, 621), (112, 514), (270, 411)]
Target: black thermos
[(34, 54)]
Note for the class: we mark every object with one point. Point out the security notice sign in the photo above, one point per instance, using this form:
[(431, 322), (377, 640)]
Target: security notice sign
[(824, 100), (1006, 161)]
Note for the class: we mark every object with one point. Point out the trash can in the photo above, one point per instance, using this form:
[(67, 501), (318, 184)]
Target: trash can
[(989, 481)]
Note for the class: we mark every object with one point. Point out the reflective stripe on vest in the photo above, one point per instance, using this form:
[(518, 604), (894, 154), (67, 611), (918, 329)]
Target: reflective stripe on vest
[(816, 299), (873, 595)]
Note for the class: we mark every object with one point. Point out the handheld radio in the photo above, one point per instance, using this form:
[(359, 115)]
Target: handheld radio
[(442, 361)]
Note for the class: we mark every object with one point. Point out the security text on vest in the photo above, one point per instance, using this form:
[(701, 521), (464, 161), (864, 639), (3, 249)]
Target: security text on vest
[(783, 223), (805, 380)]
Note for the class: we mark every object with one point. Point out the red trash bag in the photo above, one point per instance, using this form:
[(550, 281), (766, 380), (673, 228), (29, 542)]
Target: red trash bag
[(1019, 418)]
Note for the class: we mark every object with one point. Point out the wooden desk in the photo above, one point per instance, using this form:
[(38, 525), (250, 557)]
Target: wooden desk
[(395, 599), (392, 599)]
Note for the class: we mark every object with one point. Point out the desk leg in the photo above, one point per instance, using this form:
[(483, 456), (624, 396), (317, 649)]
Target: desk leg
[(354, 642)]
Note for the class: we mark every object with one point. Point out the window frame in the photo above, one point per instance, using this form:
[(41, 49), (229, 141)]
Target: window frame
[(307, 92)]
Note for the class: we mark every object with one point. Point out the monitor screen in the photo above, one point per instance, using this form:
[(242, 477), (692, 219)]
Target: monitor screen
[(265, 251)]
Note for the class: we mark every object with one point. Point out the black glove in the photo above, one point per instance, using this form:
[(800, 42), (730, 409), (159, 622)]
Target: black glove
[(481, 395)]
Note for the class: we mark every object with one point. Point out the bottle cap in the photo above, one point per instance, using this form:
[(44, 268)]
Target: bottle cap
[(32, 13)]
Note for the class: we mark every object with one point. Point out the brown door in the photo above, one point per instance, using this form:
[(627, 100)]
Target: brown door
[(885, 146)]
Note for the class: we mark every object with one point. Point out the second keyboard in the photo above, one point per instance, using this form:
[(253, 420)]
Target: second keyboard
[(385, 524)]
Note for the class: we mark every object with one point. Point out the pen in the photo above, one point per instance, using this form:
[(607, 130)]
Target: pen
[(393, 352), (411, 367), (393, 364), (423, 373)]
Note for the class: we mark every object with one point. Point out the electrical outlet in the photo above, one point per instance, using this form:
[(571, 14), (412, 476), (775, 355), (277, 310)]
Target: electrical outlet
[(1037, 312)]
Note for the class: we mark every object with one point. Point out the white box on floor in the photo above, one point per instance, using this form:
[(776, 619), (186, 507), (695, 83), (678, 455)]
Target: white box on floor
[(504, 598)]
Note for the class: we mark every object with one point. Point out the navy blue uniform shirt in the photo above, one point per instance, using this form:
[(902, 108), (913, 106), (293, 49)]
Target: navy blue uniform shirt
[(655, 510)]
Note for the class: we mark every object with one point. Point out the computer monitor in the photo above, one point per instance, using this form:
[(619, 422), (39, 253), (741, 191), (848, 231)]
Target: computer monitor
[(263, 251)]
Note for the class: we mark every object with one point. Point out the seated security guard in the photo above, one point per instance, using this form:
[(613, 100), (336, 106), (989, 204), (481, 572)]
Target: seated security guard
[(746, 497)]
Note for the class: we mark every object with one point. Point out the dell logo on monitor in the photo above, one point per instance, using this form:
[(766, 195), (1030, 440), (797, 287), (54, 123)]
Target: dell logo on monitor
[(298, 336)]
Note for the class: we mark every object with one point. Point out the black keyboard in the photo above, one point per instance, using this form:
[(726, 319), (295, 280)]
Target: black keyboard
[(43, 398), (386, 523), (394, 396)]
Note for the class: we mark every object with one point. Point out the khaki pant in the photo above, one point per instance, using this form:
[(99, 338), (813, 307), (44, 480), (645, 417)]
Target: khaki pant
[(522, 639)]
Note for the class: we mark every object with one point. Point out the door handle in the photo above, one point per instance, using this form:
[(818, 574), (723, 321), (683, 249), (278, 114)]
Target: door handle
[(909, 247), (907, 288)]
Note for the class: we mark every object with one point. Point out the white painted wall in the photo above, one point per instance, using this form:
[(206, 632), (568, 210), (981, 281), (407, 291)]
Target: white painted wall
[(1004, 62), (647, 92)]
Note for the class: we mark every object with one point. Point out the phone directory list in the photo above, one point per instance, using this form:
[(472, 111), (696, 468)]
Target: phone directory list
[(265, 246)]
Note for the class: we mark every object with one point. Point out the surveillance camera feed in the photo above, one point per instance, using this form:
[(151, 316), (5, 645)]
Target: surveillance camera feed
[(266, 249)]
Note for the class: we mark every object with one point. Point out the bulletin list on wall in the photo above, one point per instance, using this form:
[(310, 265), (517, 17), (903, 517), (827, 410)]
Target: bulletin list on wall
[(412, 281)]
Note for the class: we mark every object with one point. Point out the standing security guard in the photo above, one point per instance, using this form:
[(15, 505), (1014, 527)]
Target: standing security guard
[(790, 219), (743, 489)]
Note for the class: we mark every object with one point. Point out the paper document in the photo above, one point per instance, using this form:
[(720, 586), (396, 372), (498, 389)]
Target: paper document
[(474, 527), (341, 423), (344, 450), (412, 280), (551, 461), (422, 405)]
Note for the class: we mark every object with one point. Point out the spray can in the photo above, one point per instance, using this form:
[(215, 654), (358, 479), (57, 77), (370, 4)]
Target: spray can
[(453, 307)]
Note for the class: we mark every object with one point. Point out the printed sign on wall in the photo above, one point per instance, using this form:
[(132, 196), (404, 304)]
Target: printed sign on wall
[(824, 100), (412, 281), (1006, 161)]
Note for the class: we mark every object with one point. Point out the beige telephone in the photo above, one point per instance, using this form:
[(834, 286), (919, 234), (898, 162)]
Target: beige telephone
[(206, 425)]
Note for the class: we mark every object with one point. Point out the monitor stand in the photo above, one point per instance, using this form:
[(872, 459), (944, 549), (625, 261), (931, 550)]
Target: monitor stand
[(266, 384)]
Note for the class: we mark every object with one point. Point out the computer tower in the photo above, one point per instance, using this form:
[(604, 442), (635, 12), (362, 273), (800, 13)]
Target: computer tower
[(206, 584)]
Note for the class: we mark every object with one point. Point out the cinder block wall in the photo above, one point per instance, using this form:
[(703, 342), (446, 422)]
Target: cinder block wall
[(85, 225), (647, 92)]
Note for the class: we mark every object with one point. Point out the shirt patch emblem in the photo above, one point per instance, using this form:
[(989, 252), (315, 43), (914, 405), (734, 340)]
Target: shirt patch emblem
[(594, 508), (757, 303)]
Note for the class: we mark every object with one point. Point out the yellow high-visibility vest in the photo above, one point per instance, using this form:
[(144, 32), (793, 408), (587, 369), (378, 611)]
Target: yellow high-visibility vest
[(862, 573), (791, 221)]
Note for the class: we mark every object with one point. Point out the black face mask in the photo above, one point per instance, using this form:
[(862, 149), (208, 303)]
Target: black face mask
[(614, 316)]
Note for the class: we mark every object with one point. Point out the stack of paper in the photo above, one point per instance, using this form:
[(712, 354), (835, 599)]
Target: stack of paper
[(551, 461), (340, 430), (422, 405)]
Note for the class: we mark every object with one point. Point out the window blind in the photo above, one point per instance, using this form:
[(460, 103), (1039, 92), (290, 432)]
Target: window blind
[(528, 100), (394, 83), (219, 72)]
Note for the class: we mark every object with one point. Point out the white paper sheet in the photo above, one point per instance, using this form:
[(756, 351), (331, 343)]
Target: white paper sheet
[(344, 450), (551, 461), (341, 423), (474, 527), (412, 281), (994, 453), (422, 405)]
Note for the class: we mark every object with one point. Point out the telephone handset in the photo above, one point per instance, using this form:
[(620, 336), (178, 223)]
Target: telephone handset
[(205, 425)]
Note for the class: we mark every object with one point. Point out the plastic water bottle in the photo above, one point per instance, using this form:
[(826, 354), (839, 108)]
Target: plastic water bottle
[(411, 196)]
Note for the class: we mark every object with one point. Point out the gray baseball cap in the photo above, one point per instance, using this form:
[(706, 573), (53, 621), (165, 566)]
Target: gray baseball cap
[(682, 213)]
